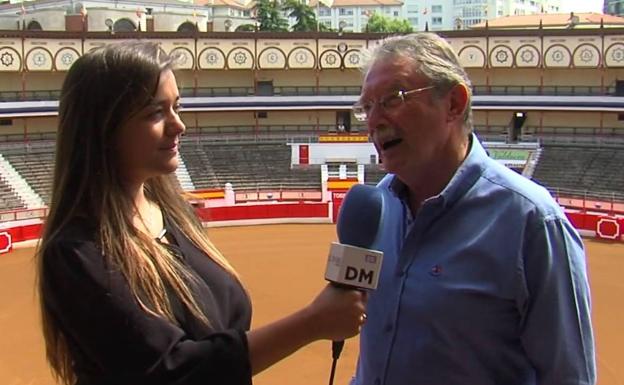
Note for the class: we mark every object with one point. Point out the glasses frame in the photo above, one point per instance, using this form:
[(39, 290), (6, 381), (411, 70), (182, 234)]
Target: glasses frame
[(360, 111)]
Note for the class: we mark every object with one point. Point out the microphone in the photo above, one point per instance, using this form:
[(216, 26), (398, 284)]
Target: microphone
[(353, 262)]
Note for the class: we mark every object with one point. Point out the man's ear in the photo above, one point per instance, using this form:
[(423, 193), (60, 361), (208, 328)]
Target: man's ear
[(457, 102)]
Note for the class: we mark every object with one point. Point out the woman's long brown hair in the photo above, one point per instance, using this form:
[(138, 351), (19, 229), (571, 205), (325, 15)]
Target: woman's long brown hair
[(102, 90)]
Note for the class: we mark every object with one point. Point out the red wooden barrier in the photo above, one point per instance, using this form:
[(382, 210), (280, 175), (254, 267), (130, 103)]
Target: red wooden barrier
[(264, 211), (602, 225)]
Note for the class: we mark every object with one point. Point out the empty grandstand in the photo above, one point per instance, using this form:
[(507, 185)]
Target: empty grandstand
[(246, 165), (36, 167), (8, 199), (582, 169), (259, 165)]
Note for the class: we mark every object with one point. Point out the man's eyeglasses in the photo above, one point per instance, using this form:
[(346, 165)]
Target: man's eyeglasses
[(361, 110)]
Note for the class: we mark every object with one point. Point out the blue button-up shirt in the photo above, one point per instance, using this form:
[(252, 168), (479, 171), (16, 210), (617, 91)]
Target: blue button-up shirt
[(485, 285)]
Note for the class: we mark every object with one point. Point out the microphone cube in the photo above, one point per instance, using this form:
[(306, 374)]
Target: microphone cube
[(353, 266)]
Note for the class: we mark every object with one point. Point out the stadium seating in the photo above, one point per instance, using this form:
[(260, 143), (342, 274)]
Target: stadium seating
[(247, 165), (582, 168), (252, 165), (8, 198), (36, 166)]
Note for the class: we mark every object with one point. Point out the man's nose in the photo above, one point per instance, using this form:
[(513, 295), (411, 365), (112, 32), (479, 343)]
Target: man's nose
[(375, 118)]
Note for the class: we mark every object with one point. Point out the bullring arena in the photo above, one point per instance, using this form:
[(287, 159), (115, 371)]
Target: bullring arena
[(272, 146), (282, 266)]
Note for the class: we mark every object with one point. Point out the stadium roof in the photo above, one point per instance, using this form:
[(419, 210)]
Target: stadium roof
[(344, 102), (553, 21)]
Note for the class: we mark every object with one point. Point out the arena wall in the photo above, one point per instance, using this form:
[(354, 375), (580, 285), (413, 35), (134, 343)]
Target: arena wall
[(599, 220)]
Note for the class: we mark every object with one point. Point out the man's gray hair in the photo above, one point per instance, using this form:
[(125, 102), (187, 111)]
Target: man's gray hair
[(435, 59)]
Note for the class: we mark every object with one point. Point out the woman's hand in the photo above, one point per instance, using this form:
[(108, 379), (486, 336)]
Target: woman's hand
[(337, 313)]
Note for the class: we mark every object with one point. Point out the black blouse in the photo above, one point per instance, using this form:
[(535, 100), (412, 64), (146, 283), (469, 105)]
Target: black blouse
[(113, 341)]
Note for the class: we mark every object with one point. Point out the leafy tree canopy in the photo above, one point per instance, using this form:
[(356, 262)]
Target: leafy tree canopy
[(381, 23), (303, 14), (269, 16)]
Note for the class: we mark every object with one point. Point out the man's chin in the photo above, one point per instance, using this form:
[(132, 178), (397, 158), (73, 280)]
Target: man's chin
[(390, 167)]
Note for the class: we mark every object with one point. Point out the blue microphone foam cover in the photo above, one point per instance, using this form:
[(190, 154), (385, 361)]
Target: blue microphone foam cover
[(359, 216)]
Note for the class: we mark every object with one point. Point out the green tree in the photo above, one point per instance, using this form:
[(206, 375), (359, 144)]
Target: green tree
[(269, 16), (324, 28), (303, 14), (400, 26), (381, 23), (246, 28)]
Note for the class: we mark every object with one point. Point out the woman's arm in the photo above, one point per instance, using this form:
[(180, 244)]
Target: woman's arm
[(116, 342), (335, 314), (97, 310)]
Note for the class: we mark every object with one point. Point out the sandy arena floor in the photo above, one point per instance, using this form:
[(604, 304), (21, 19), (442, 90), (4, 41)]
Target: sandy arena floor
[(282, 266)]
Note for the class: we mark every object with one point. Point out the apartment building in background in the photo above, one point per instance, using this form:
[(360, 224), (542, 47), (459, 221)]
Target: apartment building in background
[(126, 15), (352, 15), (613, 7), (229, 15), (432, 15)]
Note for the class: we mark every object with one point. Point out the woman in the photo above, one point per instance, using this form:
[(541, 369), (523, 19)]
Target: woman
[(131, 289)]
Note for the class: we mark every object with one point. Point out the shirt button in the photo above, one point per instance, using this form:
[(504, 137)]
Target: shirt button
[(388, 327), (400, 273), (436, 270)]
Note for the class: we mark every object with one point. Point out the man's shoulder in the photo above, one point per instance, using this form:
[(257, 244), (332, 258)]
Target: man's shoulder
[(522, 189)]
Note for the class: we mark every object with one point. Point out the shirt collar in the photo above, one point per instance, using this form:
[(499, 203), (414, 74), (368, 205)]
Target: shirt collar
[(466, 175)]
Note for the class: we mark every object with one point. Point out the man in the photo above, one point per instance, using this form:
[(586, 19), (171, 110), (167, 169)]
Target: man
[(484, 279)]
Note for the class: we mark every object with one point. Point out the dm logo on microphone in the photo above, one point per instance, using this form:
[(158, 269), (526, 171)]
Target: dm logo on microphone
[(359, 275), (353, 266)]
